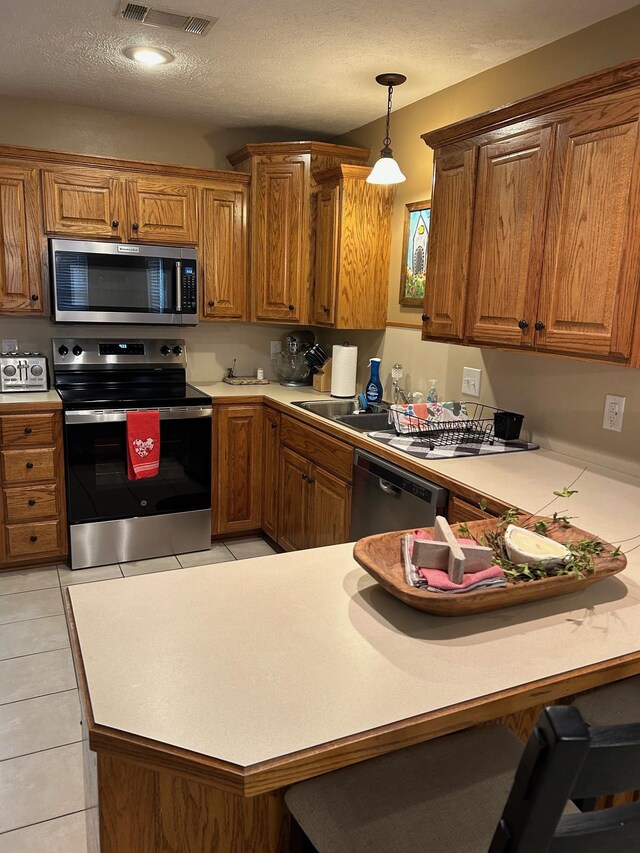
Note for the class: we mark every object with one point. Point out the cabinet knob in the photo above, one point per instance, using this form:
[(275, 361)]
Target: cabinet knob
[(425, 318), (325, 308), (34, 538), (211, 303), (304, 477), (523, 325), (29, 465), (28, 430), (135, 226), (292, 307), (274, 425), (539, 325), (34, 297), (31, 502), (310, 481), (115, 223)]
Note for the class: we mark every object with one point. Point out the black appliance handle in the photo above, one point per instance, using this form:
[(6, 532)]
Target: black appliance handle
[(178, 287)]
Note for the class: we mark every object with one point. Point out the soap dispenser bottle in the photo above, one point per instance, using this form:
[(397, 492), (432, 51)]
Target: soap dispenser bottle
[(374, 386)]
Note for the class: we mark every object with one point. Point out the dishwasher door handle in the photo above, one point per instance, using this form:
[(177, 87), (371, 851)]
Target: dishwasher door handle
[(388, 488)]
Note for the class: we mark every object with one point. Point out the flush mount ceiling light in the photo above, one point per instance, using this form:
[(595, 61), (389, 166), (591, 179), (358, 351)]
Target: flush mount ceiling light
[(386, 170), (149, 56)]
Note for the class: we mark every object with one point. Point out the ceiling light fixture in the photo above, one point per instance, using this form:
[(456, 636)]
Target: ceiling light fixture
[(149, 56), (386, 170)]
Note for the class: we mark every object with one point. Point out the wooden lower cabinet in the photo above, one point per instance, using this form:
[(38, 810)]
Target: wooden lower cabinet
[(460, 511), (32, 505), (237, 468), (293, 501), (271, 472), (330, 522)]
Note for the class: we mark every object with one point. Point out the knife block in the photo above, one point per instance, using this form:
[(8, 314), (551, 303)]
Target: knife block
[(322, 378)]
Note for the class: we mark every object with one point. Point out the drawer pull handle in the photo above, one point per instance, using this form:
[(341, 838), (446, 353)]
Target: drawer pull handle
[(115, 223), (31, 502), (28, 430), (539, 325), (425, 318), (292, 307), (34, 538), (274, 426), (29, 465), (135, 226), (523, 325), (34, 297), (304, 477), (310, 481)]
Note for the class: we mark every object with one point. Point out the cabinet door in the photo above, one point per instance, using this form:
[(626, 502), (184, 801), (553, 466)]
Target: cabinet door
[(280, 240), (237, 468), (592, 265), (83, 203), (294, 494), (447, 273), (508, 238), (327, 249), (330, 509), (162, 210), (223, 253), (460, 511), (270, 487), (20, 274)]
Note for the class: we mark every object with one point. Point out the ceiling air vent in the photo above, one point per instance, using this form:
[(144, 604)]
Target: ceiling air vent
[(154, 16)]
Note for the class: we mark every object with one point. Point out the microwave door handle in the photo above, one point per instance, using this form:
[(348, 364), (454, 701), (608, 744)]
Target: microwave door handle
[(178, 287)]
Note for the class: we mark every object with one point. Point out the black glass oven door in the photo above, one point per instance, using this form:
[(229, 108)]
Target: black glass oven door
[(97, 484)]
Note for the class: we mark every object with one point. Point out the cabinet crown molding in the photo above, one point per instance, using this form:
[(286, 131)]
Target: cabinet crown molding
[(342, 171), (349, 152), (604, 82)]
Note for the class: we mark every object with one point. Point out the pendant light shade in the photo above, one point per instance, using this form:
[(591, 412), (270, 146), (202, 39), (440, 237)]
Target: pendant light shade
[(386, 170)]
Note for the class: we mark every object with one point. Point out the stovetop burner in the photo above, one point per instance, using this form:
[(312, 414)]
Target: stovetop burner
[(123, 397)]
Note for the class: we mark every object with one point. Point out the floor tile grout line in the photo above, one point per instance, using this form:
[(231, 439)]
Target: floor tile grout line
[(33, 619), (29, 698), (39, 822), (45, 749), (41, 652), (26, 591)]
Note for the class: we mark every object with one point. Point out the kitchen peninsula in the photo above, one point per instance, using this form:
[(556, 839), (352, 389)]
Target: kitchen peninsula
[(209, 690)]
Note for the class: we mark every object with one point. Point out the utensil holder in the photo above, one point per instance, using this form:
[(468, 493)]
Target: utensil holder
[(322, 378)]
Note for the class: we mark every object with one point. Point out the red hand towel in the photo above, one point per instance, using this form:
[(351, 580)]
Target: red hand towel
[(143, 444)]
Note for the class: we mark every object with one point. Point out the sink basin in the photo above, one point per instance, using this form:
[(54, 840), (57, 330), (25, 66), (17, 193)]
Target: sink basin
[(329, 408), (346, 412), (365, 421)]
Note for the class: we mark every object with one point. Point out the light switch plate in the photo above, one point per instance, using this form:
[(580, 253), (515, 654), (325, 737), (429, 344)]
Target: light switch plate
[(613, 412), (276, 348), (9, 345), (471, 381)]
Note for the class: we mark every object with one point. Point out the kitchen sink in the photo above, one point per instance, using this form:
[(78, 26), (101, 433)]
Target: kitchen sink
[(366, 421), (347, 412)]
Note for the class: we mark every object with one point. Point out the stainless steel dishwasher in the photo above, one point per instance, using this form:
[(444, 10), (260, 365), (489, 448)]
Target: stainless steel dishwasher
[(385, 497)]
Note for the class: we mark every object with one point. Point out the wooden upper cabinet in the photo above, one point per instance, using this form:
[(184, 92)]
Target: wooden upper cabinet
[(508, 237), (353, 242), (592, 264), (323, 309), (223, 253), (20, 272), (82, 202), (451, 221), (162, 210), (279, 257)]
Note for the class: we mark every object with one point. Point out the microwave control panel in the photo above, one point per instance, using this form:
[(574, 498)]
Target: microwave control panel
[(189, 289)]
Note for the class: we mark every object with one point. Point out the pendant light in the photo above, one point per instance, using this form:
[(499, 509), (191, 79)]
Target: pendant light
[(386, 170)]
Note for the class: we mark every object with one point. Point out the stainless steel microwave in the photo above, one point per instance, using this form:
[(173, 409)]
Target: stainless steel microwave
[(100, 282)]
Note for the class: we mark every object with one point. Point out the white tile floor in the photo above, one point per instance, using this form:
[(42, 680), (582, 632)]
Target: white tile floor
[(43, 808)]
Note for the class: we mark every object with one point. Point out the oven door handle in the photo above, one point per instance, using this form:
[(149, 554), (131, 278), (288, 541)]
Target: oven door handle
[(178, 287), (100, 416)]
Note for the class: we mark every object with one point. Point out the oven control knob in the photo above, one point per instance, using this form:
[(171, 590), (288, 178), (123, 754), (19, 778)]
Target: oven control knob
[(37, 370), (9, 370), (177, 350), (63, 350), (77, 350), (164, 350)]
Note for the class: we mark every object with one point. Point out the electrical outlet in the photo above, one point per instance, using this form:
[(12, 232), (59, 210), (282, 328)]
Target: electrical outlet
[(276, 348), (613, 412), (9, 345), (471, 381)]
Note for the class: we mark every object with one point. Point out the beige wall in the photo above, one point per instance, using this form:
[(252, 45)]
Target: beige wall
[(562, 399)]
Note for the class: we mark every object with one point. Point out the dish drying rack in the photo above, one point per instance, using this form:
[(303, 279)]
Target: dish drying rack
[(477, 427)]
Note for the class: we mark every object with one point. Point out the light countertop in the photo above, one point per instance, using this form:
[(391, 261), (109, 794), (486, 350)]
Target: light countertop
[(20, 399)]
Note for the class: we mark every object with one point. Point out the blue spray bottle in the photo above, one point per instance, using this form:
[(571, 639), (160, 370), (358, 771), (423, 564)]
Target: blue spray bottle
[(374, 386)]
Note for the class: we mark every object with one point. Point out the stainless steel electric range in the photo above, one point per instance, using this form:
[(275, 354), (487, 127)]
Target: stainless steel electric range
[(112, 518)]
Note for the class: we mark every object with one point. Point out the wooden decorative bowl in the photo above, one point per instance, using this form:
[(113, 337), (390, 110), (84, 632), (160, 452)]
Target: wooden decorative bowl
[(381, 557)]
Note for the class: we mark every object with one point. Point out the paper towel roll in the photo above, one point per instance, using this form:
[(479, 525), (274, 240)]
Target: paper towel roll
[(343, 371)]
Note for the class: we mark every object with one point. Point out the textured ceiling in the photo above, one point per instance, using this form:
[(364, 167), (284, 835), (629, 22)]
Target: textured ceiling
[(304, 65)]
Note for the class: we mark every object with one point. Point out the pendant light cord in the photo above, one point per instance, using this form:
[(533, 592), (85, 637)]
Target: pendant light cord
[(387, 139)]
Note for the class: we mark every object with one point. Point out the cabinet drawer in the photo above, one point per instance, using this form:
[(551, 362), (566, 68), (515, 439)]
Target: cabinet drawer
[(24, 504), (40, 537), (328, 453), (26, 466), (23, 430), (460, 511)]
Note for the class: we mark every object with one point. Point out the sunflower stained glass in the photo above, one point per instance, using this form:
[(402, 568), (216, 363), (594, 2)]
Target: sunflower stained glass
[(414, 253)]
